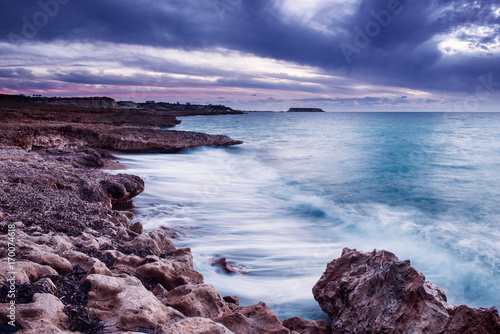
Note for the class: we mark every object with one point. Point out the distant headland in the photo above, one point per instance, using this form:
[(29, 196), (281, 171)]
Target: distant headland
[(305, 110), (173, 109)]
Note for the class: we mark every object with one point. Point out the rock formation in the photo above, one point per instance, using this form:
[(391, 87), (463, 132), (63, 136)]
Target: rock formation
[(305, 110), (376, 293)]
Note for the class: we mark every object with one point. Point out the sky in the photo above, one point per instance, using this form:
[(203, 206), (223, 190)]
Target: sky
[(339, 55)]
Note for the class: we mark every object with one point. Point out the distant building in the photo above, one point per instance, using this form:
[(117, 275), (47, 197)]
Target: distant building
[(150, 102)]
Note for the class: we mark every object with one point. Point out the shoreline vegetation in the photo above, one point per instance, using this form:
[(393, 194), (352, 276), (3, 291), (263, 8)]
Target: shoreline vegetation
[(71, 262)]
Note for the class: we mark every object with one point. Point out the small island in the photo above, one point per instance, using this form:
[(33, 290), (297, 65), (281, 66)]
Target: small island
[(305, 110)]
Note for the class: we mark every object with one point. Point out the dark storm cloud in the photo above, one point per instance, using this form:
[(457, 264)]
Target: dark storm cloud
[(403, 52), (15, 73)]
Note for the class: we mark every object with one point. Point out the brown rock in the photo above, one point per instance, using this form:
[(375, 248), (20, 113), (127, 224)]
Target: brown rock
[(197, 300), (376, 293), (46, 285), (50, 259), (232, 300), (99, 268), (182, 255), (126, 299), (162, 240), (26, 271), (468, 320), (133, 139), (79, 259), (303, 326), (45, 307), (143, 244), (169, 274), (137, 227), (195, 325), (226, 267), (255, 319)]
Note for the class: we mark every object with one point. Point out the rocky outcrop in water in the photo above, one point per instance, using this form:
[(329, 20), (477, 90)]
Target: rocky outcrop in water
[(305, 110), (376, 293)]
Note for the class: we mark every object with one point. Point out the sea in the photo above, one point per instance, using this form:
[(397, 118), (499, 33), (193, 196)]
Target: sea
[(425, 186)]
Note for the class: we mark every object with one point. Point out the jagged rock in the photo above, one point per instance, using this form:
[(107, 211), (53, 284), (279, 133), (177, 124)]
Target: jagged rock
[(255, 319), (376, 293), (468, 320), (126, 261), (232, 300), (195, 325), (126, 299), (197, 300), (143, 244), (162, 240), (303, 326), (169, 274), (226, 267), (182, 255)]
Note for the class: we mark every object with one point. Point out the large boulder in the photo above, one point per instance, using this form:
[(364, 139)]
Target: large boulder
[(126, 299), (376, 293)]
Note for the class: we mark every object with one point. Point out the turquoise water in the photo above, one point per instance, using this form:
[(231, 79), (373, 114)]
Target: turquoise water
[(425, 186)]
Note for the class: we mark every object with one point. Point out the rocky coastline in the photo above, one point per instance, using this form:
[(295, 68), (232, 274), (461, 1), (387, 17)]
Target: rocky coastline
[(75, 264)]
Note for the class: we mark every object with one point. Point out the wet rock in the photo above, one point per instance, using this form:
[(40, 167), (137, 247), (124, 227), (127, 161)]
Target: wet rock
[(255, 319), (226, 267), (195, 325), (126, 299), (197, 300), (303, 326), (375, 293)]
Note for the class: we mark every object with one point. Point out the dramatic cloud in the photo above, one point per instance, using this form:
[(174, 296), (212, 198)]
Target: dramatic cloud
[(362, 53)]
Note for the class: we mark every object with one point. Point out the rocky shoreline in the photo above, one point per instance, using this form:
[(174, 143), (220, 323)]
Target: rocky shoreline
[(79, 265)]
